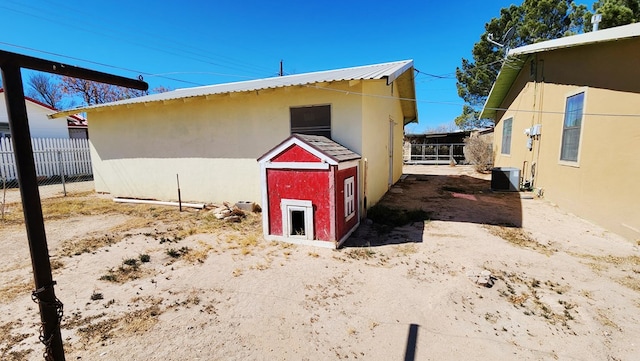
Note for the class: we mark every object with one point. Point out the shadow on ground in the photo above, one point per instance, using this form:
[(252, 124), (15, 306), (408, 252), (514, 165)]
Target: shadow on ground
[(449, 198)]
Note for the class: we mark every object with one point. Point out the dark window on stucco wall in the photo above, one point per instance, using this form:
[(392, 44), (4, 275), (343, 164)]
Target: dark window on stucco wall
[(506, 136), (314, 120)]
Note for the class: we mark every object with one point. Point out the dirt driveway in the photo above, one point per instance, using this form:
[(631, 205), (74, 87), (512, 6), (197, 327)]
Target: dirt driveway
[(146, 283)]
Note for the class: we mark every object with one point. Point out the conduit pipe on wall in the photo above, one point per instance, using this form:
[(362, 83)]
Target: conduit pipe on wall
[(160, 203)]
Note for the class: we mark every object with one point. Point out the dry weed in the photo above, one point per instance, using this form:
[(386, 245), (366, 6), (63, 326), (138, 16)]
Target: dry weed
[(76, 247), (130, 323), (360, 253), (8, 340), (630, 282), (528, 294), (127, 271), (609, 259), (605, 320), (199, 254), (407, 249), (14, 290), (518, 237)]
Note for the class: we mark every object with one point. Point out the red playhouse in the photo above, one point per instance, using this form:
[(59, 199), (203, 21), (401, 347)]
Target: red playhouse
[(309, 191)]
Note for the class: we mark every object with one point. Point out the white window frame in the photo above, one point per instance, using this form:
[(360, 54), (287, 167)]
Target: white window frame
[(576, 162), (349, 198), (290, 205)]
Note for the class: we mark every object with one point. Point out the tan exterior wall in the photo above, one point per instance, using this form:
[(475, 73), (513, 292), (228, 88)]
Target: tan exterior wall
[(602, 185), (213, 144), (383, 132)]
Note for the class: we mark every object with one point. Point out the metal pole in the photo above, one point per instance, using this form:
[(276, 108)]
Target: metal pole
[(44, 295), (10, 66), (179, 197), (61, 169)]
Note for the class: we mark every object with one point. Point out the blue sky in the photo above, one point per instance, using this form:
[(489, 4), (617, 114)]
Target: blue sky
[(180, 44)]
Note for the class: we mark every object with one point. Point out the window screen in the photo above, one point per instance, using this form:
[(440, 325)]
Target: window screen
[(314, 120), (506, 136)]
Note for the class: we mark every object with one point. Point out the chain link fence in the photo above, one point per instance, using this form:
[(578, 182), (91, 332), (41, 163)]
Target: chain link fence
[(62, 166)]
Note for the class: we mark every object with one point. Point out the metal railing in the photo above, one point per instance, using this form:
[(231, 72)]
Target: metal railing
[(436, 154)]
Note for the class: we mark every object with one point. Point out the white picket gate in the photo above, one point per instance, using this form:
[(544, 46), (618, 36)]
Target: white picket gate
[(53, 158)]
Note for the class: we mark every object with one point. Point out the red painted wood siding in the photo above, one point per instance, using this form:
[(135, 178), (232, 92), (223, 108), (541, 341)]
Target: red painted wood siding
[(295, 153), (305, 185), (341, 226)]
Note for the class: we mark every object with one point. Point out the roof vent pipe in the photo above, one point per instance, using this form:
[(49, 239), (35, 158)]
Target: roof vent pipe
[(595, 20)]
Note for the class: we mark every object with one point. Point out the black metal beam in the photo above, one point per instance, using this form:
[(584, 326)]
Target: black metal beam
[(10, 66), (28, 62)]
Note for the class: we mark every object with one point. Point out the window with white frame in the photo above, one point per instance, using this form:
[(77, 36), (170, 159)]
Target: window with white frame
[(506, 136), (297, 218), (349, 199), (572, 127)]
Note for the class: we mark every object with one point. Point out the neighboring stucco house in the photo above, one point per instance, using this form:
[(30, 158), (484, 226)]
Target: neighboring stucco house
[(40, 125), (567, 114), (211, 136)]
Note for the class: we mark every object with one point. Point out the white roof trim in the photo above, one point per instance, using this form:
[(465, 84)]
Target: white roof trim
[(619, 32), (294, 141), (389, 71), (518, 56)]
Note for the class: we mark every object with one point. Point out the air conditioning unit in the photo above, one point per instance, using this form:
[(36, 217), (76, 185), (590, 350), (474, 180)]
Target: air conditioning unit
[(505, 179)]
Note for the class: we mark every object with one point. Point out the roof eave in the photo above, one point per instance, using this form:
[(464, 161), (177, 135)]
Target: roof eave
[(517, 57), (502, 85), (399, 72)]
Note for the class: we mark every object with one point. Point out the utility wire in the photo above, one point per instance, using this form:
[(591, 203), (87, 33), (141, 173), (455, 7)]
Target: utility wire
[(127, 39), (164, 40), (96, 63)]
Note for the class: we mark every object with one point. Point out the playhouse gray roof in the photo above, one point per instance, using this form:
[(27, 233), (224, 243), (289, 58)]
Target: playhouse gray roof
[(327, 146)]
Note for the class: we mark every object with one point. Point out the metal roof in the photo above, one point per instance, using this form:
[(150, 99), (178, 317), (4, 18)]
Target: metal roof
[(516, 58), (389, 71)]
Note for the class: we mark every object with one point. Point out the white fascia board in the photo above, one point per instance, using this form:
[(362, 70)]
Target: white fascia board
[(295, 141), (297, 165)]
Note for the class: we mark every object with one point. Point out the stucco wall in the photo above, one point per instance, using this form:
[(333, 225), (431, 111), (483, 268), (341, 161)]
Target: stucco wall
[(213, 143), (601, 185), (382, 116)]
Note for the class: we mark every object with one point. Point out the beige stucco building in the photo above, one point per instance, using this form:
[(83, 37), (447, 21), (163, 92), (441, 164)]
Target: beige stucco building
[(210, 137), (567, 114)]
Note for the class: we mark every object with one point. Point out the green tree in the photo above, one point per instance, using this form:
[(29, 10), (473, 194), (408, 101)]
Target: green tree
[(616, 12), (533, 21)]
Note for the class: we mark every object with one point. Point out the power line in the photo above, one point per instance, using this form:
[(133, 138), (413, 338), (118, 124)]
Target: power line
[(181, 52), (346, 92), (95, 62)]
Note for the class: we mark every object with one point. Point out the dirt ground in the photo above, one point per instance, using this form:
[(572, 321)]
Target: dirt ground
[(147, 283)]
